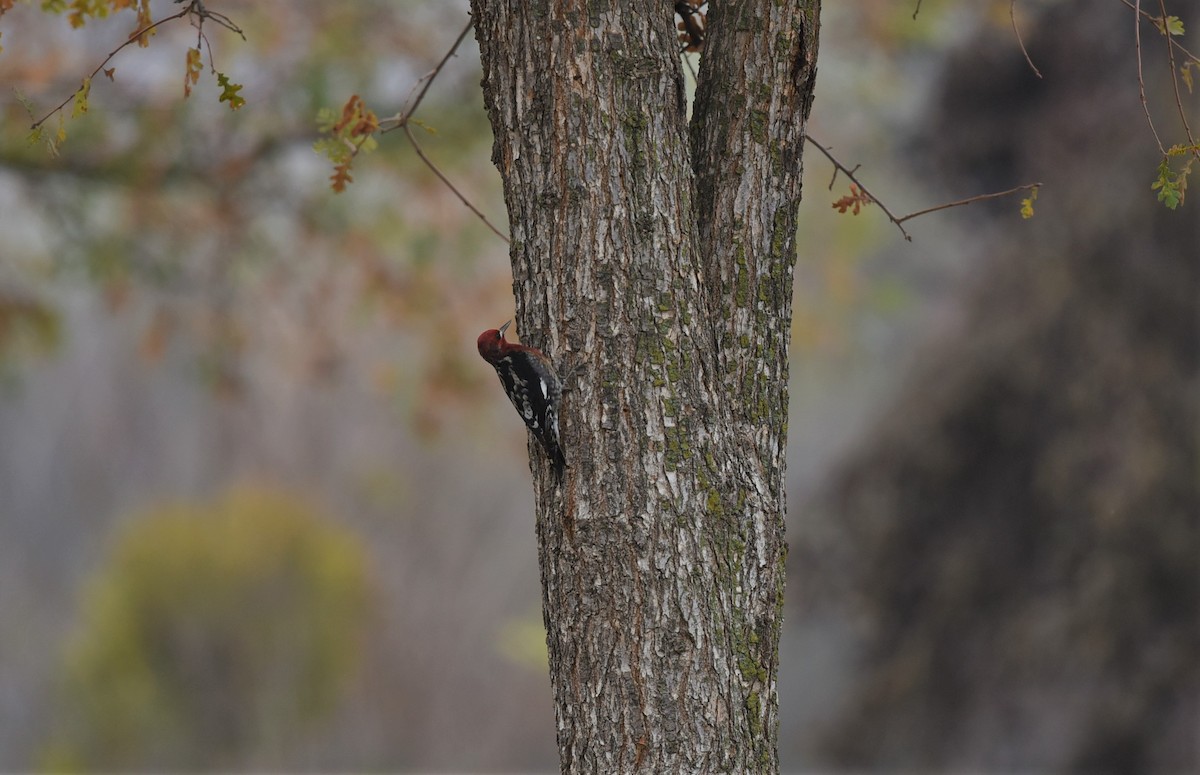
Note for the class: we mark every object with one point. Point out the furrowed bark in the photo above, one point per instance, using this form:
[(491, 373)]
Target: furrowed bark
[(660, 269)]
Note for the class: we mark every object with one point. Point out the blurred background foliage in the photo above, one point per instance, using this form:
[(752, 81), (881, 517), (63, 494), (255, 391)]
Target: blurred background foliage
[(993, 465), (212, 636)]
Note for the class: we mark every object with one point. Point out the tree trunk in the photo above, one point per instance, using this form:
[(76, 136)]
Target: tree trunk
[(660, 268)]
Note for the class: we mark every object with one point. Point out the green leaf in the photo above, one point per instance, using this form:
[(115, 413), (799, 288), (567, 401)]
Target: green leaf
[(1167, 185), (332, 148), (326, 118), (52, 141), (1169, 25), (81, 99), (1027, 204), (229, 92)]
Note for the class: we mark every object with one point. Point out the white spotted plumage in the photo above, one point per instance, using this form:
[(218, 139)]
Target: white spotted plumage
[(520, 368)]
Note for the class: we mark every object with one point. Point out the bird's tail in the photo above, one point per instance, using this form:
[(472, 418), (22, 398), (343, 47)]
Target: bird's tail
[(557, 458)]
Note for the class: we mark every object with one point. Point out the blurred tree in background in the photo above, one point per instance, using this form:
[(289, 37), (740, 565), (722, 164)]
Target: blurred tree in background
[(1018, 535), (207, 226), (214, 636), (215, 313)]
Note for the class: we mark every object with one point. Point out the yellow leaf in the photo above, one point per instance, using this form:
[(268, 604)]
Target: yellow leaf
[(192, 67), (81, 99), (1027, 204)]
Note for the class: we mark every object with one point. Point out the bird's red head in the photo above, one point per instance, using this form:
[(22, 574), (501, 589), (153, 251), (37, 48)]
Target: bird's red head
[(491, 343)]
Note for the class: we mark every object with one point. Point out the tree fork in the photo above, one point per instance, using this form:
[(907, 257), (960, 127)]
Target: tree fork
[(660, 265)]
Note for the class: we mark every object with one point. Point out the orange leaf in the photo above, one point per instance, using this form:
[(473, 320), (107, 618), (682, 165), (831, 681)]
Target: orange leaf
[(191, 75), (341, 176)]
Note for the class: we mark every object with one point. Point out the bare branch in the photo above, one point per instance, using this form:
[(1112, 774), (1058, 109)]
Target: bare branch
[(1137, 45), (1187, 130), (416, 147), (839, 167), (220, 18), (132, 38), (194, 8), (688, 61), (899, 220), (969, 200), (1012, 15), (1174, 43), (401, 119)]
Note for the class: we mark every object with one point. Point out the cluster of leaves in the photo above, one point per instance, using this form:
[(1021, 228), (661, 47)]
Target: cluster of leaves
[(693, 18), (1171, 182), (854, 201), (1171, 177), (79, 11), (213, 627), (349, 133), (229, 90)]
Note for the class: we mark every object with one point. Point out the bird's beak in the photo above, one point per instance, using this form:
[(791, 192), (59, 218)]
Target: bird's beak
[(504, 328)]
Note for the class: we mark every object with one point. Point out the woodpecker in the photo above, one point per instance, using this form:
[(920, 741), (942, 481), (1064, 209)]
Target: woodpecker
[(691, 29), (532, 385)]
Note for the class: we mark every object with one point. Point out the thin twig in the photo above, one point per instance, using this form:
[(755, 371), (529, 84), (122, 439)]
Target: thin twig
[(401, 119), (1012, 14), (220, 19), (850, 174), (688, 61), (1187, 130), (416, 147), (195, 7), (212, 65), (916, 10), (1174, 43), (833, 177), (899, 220), (969, 200), (1137, 46), (133, 37)]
